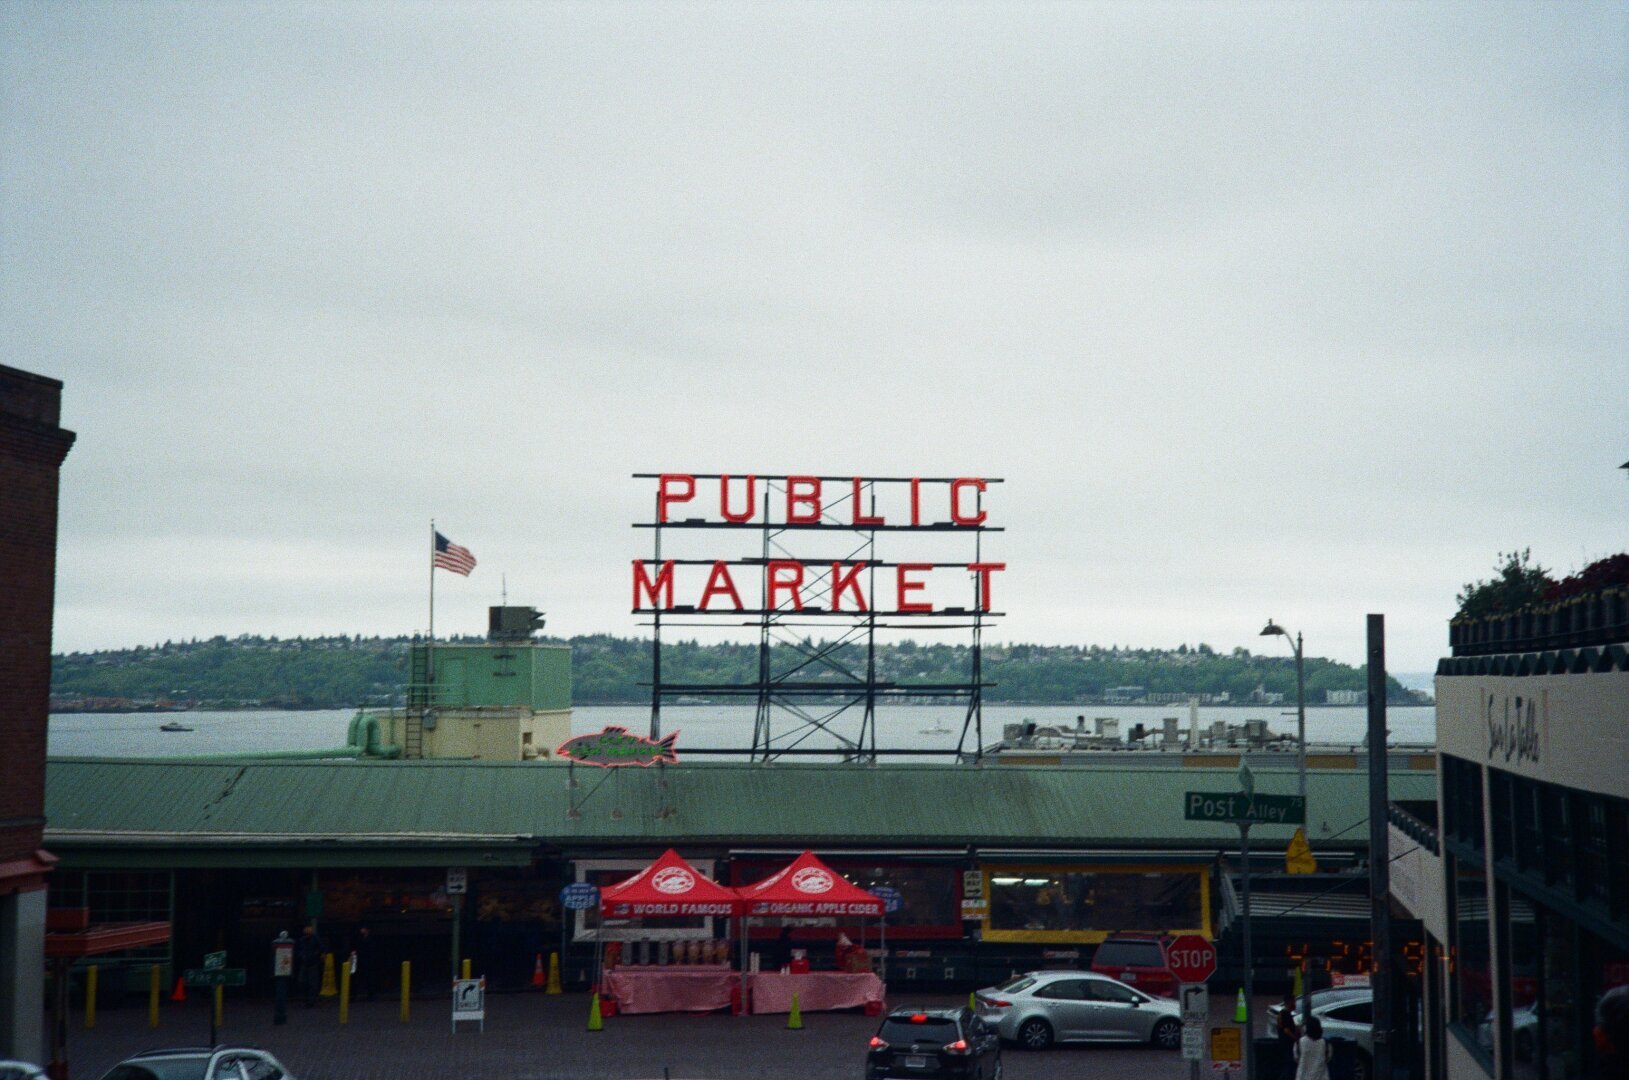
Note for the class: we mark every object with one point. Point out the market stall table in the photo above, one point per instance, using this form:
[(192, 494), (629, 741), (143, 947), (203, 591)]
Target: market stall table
[(672, 988), (817, 991)]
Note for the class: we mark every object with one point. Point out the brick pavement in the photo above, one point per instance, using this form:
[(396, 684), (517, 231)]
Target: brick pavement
[(536, 1037)]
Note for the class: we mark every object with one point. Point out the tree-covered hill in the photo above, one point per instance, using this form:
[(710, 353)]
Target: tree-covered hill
[(340, 672)]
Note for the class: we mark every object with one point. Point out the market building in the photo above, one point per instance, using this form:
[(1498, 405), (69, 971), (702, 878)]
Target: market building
[(997, 867), (1522, 887)]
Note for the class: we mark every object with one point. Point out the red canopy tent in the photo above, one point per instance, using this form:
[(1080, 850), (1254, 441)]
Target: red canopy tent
[(668, 887), (808, 887)]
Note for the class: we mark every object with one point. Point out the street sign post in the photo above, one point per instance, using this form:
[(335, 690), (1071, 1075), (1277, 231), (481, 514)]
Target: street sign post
[(1191, 959), (1244, 809), (216, 977), (1226, 1049), (1239, 808), (469, 1002), (1195, 1016)]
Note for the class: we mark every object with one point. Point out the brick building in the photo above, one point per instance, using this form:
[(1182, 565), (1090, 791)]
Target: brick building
[(32, 447)]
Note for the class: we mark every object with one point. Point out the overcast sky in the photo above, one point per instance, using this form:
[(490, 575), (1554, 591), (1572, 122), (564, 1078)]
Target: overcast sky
[(1302, 311)]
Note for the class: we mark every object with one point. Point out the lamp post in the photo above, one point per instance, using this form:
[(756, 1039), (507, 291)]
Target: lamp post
[(1272, 629)]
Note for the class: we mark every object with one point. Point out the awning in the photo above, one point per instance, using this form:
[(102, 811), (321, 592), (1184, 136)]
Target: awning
[(808, 887), (668, 887)]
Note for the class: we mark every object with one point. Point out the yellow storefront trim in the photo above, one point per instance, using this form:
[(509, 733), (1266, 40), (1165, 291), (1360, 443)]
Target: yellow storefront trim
[(1093, 937)]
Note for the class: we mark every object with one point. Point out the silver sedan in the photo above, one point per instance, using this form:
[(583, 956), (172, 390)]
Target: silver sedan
[(1042, 1007)]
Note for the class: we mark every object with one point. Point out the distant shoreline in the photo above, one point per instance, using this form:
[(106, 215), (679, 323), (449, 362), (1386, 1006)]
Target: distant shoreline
[(172, 708)]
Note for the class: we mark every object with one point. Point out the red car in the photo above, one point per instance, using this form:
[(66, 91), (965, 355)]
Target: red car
[(1137, 960)]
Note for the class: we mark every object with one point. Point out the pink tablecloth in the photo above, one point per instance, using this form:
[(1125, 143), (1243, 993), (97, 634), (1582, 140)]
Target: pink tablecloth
[(670, 989), (817, 991)]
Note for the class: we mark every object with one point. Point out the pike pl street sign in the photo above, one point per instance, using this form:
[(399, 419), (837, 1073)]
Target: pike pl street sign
[(216, 977), (1240, 808)]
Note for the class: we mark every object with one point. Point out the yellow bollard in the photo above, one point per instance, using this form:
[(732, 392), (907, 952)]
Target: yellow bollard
[(407, 985), (554, 974), (794, 1019), (220, 1006), (328, 987), (153, 987), (90, 996), (345, 993), (466, 968)]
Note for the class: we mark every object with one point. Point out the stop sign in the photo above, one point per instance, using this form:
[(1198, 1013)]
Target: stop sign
[(1191, 958)]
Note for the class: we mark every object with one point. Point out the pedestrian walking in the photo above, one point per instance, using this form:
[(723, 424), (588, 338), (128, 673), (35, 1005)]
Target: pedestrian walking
[(1287, 1033), (1312, 1052), (308, 963), (364, 977)]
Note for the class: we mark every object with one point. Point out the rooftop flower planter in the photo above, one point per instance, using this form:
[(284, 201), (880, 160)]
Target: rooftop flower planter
[(1588, 609)]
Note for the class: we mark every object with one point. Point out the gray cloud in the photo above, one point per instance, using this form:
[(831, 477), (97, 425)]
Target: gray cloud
[(1260, 309)]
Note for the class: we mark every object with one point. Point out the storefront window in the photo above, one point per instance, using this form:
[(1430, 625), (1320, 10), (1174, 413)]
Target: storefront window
[(377, 895), (1473, 979), (1594, 861), (1042, 904), (513, 895), (1499, 791), (1522, 984), (1526, 814), (1558, 837), (930, 896)]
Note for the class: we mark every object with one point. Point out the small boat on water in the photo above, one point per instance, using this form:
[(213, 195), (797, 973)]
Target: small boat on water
[(937, 729), (174, 725)]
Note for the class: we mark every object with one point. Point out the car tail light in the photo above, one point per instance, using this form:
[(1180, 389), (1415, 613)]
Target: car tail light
[(877, 1043), (957, 1047), (919, 1018), (994, 1004)]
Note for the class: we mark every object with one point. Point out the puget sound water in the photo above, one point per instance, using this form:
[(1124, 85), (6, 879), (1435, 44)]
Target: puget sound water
[(931, 727)]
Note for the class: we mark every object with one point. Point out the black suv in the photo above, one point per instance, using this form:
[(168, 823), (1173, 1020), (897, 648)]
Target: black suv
[(934, 1042)]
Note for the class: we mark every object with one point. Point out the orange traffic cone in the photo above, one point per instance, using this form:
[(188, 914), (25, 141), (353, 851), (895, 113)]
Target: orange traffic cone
[(180, 990), (537, 971)]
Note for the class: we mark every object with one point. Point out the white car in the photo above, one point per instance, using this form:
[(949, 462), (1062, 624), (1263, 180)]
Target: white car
[(1042, 1007), (200, 1063), (20, 1070)]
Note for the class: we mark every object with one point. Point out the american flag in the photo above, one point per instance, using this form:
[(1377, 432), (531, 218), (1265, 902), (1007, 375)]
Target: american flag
[(449, 556)]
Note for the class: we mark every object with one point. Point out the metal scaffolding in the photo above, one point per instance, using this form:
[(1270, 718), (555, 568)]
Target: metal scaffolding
[(808, 693)]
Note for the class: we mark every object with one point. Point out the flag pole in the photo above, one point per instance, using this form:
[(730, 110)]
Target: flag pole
[(430, 645)]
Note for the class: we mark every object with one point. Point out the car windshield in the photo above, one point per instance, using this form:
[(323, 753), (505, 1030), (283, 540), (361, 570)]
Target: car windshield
[(902, 1029), (1130, 954), (1015, 985), (176, 1068)]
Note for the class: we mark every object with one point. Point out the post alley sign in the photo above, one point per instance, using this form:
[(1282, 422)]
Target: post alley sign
[(850, 580)]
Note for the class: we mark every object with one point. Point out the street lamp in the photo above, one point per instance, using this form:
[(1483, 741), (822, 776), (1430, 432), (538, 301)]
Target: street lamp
[(1272, 629)]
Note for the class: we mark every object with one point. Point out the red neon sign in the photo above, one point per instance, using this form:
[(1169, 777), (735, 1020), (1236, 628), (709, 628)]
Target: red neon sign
[(844, 586)]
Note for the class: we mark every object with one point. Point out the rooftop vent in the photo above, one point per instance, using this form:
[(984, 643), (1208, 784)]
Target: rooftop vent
[(513, 623)]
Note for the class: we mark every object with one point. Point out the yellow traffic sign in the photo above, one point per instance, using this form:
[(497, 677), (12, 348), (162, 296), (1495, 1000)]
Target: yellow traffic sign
[(1298, 856)]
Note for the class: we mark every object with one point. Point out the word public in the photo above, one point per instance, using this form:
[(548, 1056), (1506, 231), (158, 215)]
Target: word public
[(809, 500), (813, 586)]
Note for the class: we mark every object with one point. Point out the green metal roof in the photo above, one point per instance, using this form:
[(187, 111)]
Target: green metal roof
[(434, 812)]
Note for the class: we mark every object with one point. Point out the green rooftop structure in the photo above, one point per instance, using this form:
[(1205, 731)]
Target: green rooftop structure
[(504, 699)]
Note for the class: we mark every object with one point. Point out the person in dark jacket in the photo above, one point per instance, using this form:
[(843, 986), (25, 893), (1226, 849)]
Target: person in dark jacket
[(1287, 1033), (308, 963), (365, 980)]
